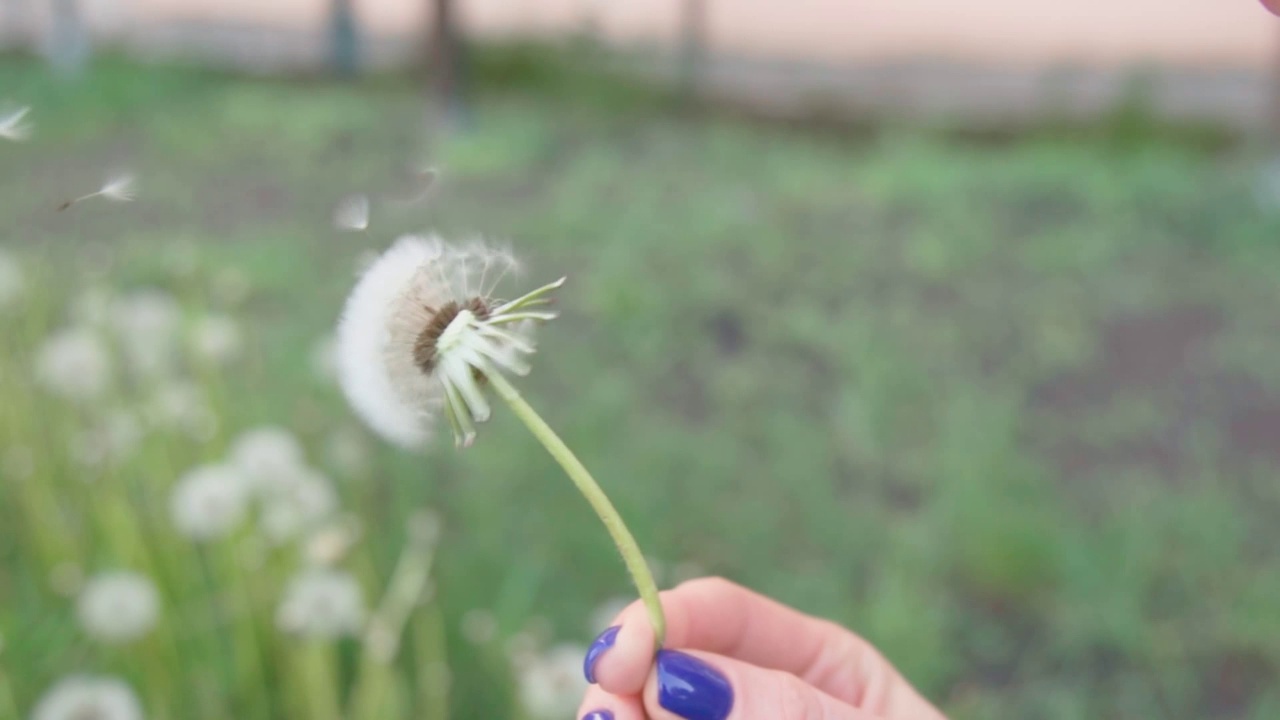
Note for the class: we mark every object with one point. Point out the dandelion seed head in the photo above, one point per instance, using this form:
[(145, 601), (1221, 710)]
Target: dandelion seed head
[(551, 684), (322, 603), (147, 324), (296, 504), (74, 364), (13, 280), (217, 339), (422, 329), (118, 606), (182, 406), (209, 502), (14, 126), (267, 455), (85, 697)]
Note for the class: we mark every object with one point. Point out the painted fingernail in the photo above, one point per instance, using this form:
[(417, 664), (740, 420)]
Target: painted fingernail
[(691, 688), (598, 647), (598, 715)]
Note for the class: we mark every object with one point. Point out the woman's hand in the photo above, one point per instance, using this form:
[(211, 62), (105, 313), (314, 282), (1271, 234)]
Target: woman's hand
[(737, 655)]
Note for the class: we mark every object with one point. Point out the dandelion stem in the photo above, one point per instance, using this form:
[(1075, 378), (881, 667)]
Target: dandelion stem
[(577, 472)]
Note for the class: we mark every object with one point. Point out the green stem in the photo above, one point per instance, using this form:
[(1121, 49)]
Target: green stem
[(574, 468)]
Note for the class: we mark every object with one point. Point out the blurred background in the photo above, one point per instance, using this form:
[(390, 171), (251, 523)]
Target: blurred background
[(955, 323)]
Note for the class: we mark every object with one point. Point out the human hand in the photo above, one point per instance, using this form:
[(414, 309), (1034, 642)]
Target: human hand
[(737, 655)]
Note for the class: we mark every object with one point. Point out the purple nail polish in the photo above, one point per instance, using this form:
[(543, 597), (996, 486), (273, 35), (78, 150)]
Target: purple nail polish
[(691, 688), (603, 642), (598, 715)]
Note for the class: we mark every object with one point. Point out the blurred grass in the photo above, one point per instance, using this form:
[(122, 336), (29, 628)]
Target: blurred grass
[(1011, 410)]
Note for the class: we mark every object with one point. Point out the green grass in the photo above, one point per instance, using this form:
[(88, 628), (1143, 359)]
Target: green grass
[(1011, 411)]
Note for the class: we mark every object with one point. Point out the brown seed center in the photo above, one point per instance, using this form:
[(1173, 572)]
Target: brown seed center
[(424, 348)]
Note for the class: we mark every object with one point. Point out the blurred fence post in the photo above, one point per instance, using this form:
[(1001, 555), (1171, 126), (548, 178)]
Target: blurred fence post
[(68, 42), (344, 39), (448, 64), (693, 49)]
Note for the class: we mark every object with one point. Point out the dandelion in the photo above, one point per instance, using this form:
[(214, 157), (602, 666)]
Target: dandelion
[(216, 339), (86, 697), (74, 364), (147, 322), (551, 685), (296, 503), (352, 213), (14, 126), (322, 603), (423, 333), (13, 281), (181, 405), (209, 502), (267, 455), (118, 188), (112, 440), (118, 607), (423, 180)]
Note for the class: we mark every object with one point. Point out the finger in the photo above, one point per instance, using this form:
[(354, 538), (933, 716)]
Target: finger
[(702, 686), (715, 615), (600, 705)]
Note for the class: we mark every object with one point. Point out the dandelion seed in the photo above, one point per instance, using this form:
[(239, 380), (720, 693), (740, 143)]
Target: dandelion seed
[(551, 685), (118, 607), (209, 502), (296, 503), (422, 331), (13, 281), (352, 213), (216, 339), (13, 125), (85, 697), (74, 364), (118, 188), (423, 179), (322, 603)]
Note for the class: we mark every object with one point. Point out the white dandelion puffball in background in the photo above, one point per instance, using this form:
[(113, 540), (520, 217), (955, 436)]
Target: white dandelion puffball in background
[(352, 213), (14, 126), (84, 697), (74, 364), (322, 603), (209, 502), (147, 323), (551, 684), (13, 281), (296, 504), (111, 440), (118, 607), (181, 406), (268, 455), (216, 339), (422, 329)]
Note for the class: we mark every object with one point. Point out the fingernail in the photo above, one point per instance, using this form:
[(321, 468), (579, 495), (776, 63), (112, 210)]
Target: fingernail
[(603, 642), (598, 715), (691, 688)]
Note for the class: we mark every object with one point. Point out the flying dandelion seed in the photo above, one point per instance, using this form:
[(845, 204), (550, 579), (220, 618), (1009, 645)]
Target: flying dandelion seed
[(13, 125), (421, 332), (423, 180), (209, 502), (352, 213), (118, 607), (322, 603), (81, 697), (117, 188)]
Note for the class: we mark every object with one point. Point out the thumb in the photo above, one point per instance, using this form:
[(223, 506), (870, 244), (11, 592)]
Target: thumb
[(704, 686)]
